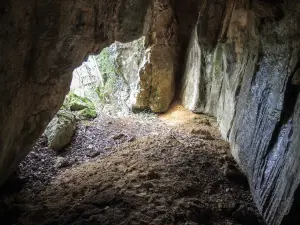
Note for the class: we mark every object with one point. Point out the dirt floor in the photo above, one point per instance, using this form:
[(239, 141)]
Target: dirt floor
[(141, 169)]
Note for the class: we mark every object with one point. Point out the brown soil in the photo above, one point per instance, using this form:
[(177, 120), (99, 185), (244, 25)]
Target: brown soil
[(136, 170)]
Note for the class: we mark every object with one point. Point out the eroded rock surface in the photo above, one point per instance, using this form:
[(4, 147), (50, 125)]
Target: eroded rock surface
[(241, 67)]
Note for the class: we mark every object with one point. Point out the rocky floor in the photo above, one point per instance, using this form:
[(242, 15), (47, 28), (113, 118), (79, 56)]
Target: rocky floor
[(141, 169)]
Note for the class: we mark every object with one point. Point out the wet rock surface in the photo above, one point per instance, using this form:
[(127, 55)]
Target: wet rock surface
[(165, 175)]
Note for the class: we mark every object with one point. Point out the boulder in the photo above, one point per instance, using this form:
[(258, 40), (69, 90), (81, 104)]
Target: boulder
[(118, 66), (60, 130), (140, 75)]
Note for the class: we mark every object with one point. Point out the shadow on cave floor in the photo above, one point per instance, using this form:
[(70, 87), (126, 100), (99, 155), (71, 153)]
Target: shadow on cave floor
[(140, 169)]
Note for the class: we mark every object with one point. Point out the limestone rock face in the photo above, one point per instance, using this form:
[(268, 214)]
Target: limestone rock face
[(128, 58), (60, 130), (242, 66), (41, 43), (157, 71), (86, 79), (119, 69)]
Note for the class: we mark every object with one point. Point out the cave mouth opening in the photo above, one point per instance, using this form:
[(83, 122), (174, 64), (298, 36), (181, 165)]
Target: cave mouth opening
[(106, 158)]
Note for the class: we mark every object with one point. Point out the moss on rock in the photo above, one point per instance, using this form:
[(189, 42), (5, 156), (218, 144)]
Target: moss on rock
[(79, 106), (87, 113), (75, 102)]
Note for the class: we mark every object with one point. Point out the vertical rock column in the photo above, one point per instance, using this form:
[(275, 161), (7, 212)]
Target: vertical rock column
[(156, 84)]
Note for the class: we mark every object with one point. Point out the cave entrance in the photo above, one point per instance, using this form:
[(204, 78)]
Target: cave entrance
[(107, 159), (106, 83), (110, 81)]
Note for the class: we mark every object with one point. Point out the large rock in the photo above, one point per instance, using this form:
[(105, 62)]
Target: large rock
[(41, 43), (60, 130), (242, 67)]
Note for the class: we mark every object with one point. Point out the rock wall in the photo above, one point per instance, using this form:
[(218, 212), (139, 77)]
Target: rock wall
[(41, 43), (243, 68)]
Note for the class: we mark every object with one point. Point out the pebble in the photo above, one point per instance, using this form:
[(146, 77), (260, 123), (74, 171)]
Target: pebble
[(94, 154), (118, 136), (61, 162)]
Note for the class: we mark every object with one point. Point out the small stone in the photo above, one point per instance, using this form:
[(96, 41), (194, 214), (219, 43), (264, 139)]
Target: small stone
[(62, 163), (131, 139), (147, 185), (118, 136), (94, 154), (142, 194), (234, 174), (190, 223)]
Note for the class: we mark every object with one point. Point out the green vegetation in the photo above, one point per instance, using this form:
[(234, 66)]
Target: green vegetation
[(77, 102), (87, 113)]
